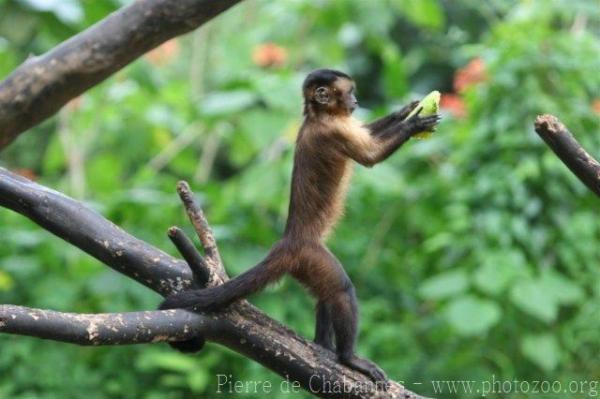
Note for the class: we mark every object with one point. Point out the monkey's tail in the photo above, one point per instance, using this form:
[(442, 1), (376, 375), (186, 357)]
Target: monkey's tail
[(267, 271)]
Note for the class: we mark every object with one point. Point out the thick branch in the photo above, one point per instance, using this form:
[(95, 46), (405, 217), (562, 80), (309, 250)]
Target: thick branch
[(242, 328), (42, 85), (89, 231), (102, 329), (562, 142)]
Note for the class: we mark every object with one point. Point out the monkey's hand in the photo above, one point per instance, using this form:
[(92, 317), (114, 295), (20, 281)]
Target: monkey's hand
[(192, 345), (417, 124), (195, 300), (407, 109)]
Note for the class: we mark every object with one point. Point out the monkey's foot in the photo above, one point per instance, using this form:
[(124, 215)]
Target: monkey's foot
[(367, 368), (326, 343)]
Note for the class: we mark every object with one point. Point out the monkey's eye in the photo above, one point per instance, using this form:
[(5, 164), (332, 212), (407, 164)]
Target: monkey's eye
[(322, 95)]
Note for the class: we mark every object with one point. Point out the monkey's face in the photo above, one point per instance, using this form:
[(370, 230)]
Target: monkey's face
[(336, 98), (328, 92)]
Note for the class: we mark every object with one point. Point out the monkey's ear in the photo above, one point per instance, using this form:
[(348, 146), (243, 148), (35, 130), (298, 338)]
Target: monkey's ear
[(322, 95)]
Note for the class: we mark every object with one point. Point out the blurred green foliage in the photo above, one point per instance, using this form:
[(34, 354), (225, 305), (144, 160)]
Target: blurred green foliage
[(475, 254)]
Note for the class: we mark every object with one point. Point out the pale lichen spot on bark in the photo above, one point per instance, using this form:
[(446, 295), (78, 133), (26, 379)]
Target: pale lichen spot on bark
[(92, 331), (119, 319)]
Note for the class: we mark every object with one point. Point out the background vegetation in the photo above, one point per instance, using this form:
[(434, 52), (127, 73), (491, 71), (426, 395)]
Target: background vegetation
[(475, 254)]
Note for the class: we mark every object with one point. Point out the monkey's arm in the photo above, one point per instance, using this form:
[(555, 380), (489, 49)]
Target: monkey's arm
[(379, 126), (369, 150)]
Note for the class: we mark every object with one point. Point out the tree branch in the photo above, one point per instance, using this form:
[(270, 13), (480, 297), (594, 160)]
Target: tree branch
[(197, 264), (205, 234), (566, 147), (241, 327), (102, 329), (42, 85), (89, 231)]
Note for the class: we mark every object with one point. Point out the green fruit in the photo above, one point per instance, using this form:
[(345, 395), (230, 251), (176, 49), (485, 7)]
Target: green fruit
[(431, 105)]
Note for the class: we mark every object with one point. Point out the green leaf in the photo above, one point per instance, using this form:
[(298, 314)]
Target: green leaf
[(534, 298), (6, 281), (444, 285), (198, 379), (469, 315), (564, 290), (543, 350), (167, 361), (498, 271), (394, 72), (424, 13)]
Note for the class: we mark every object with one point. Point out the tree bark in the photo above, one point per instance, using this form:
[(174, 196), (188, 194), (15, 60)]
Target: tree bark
[(87, 230), (568, 149), (42, 85)]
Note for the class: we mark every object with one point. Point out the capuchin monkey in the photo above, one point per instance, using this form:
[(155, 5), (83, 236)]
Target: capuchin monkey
[(329, 142)]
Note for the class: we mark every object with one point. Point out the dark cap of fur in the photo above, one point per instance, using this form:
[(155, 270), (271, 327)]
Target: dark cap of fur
[(323, 77)]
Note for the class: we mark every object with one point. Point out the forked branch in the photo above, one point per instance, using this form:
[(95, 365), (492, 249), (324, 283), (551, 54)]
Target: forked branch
[(205, 234)]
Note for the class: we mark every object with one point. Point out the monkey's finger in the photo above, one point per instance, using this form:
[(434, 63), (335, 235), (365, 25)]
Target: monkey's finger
[(380, 379), (416, 115), (377, 373), (426, 124), (431, 119), (407, 109)]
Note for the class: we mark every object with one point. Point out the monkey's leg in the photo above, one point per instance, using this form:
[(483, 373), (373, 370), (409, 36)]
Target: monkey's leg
[(344, 313), (328, 280), (324, 326)]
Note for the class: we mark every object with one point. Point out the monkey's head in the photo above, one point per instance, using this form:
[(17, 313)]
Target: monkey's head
[(328, 92)]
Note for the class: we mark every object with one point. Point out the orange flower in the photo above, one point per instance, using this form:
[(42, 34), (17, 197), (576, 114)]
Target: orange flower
[(164, 53), (453, 104), (269, 55), (472, 73), (596, 106)]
